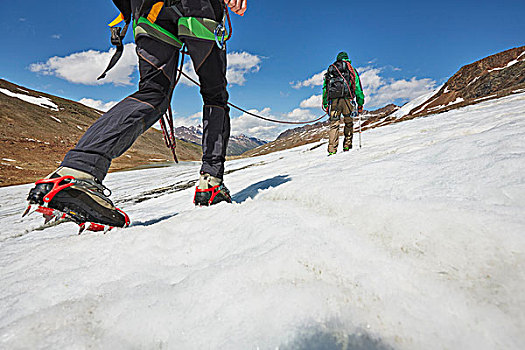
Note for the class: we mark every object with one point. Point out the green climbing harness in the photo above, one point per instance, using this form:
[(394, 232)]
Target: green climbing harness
[(188, 27), (144, 26)]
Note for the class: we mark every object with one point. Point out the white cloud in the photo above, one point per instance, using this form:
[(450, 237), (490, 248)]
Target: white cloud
[(192, 120), (371, 79), (84, 67), (314, 101), (380, 91), (315, 80), (252, 126), (98, 104), (301, 115), (405, 90), (56, 36), (188, 69), (239, 65)]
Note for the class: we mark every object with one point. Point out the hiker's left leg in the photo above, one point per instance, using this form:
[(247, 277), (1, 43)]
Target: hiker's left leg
[(113, 133)]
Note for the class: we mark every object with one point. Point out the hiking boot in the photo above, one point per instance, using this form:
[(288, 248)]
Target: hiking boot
[(331, 153), (346, 149), (78, 196), (211, 190)]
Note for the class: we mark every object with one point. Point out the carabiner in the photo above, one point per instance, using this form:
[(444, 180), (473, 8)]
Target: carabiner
[(220, 30)]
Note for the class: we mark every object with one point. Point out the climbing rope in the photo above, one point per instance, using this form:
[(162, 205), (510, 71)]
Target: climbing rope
[(256, 115), (166, 121)]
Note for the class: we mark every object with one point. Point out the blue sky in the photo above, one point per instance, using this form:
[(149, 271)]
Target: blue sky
[(277, 54)]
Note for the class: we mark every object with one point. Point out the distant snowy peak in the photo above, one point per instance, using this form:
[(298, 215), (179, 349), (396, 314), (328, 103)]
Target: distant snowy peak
[(495, 76), (190, 134), (237, 145), (247, 139)]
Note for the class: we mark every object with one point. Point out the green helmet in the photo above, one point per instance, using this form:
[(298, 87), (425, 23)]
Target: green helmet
[(342, 56)]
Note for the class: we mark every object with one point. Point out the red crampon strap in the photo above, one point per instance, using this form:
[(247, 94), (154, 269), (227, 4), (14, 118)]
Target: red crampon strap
[(56, 186), (214, 192), (127, 221)]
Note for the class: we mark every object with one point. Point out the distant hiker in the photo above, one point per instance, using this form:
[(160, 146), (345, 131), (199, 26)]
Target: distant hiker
[(160, 29), (341, 90)]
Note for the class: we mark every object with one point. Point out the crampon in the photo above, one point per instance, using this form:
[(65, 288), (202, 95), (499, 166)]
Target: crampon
[(213, 195), (65, 199)]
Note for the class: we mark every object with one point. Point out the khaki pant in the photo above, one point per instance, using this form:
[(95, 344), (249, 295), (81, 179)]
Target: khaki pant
[(345, 107)]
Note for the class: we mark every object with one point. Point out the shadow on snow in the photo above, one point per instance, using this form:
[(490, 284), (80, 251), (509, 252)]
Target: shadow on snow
[(252, 190), (330, 340), (153, 221)]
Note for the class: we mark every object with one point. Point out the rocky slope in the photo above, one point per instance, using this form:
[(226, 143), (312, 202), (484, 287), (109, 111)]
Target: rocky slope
[(237, 145), (37, 129), (492, 77)]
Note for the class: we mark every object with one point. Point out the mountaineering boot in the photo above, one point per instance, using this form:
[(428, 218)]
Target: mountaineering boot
[(331, 153), (346, 149), (78, 196), (211, 190)]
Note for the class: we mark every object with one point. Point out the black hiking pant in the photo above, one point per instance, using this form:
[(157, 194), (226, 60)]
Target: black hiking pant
[(115, 131)]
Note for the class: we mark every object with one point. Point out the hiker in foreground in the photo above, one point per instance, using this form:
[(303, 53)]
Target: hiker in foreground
[(74, 191), (342, 94)]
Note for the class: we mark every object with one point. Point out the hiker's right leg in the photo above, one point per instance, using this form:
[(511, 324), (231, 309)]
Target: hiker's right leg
[(113, 133), (333, 131), (348, 130), (210, 64)]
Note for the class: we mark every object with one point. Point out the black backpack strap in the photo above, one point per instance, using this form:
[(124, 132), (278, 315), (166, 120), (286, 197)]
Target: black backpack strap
[(124, 6), (146, 5), (118, 34), (173, 4)]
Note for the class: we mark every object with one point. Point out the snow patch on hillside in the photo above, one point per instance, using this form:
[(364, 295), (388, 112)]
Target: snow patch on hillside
[(39, 101), (407, 107)]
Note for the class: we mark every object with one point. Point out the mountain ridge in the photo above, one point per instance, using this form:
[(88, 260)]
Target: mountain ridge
[(237, 144)]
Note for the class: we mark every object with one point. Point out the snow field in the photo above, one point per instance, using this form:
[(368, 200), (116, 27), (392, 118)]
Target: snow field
[(416, 241)]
